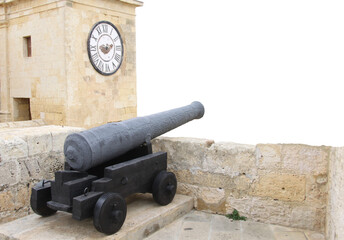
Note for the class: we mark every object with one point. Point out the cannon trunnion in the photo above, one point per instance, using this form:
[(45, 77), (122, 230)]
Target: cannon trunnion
[(99, 187)]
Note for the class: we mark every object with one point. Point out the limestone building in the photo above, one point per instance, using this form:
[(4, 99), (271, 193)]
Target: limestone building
[(45, 67)]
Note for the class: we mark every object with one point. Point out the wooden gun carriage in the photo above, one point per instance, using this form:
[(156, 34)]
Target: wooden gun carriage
[(106, 164)]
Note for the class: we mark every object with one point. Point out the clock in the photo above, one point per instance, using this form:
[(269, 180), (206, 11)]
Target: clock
[(105, 48)]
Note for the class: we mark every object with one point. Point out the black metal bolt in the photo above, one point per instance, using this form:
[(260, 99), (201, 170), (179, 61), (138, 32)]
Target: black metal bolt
[(124, 180)]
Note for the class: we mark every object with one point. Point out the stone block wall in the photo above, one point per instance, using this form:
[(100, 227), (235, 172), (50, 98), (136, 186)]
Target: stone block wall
[(57, 81), (27, 155), (41, 77), (335, 210), (103, 98), (283, 184)]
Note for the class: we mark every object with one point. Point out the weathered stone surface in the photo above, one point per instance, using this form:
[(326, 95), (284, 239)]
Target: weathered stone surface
[(8, 173), (317, 190), (21, 124), (22, 196), (231, 159), (189, 190), (301, 213), (200, 225), (28, 156), (266, 182), (205, 198), (39, 140), (6, 201), (206, 179), (211, 199), (12, 146), (283, 187), (212, 195), (50, 163), (290, 235), (314, 235), (30, 170), (183, 153), (256, 231), (242, 183), (303, 159), (14, 202), (262, 210), (199, 230), (335, 206), (269, 156), (58, 136)]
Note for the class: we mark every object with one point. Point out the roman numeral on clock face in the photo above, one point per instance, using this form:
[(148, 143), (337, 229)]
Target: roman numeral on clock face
[(105, 28), (95, 39), (101, 66), (99, 30), (117, 57), (95, 57)]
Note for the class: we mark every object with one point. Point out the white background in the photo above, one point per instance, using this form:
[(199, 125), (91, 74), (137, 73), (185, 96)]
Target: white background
[(267, 71)]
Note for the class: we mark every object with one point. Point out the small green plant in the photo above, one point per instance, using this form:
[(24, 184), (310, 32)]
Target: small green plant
[(236, 216)]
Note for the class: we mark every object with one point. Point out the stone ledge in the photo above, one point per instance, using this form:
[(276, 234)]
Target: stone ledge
[(144, 217), (21, 124)]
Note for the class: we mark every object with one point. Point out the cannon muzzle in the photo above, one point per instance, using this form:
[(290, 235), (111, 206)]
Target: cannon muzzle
[(98, 145)]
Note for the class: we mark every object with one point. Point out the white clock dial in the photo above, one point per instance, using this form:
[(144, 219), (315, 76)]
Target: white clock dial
[(105, 48)]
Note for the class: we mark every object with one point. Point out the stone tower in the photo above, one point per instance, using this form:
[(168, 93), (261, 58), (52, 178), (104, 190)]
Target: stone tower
[(45, 70)]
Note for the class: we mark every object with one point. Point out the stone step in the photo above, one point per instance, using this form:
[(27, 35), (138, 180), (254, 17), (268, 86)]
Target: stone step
[(144, 217)]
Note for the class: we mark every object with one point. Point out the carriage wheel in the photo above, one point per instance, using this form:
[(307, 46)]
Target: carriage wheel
[(164, 187), (40, 195), (109, 213)]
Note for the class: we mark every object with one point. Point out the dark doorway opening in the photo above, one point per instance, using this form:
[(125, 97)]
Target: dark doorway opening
[(21, 109)]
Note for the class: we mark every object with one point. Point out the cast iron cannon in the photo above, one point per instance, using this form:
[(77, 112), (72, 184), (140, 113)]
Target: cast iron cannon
[(106, 164)]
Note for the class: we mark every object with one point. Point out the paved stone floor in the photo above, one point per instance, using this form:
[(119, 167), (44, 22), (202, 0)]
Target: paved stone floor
[(198, 226)]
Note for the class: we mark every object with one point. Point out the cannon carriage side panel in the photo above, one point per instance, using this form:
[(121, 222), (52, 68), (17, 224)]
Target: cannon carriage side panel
[(67, 185), (135, 176)]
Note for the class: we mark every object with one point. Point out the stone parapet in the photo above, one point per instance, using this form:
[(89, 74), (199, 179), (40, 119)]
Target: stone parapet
[(335, 209), (27, 155), (283, 184), (4, 126), (286, 184)]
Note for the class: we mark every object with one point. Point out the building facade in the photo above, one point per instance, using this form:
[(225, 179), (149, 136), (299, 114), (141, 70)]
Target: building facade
[(45, 69)]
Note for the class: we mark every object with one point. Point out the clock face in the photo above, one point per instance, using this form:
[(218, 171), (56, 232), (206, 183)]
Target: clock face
[(105, 48)]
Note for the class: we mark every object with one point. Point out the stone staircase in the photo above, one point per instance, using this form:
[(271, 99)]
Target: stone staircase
[(144, 217)]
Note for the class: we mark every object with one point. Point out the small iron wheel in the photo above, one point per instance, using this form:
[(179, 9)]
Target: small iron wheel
[(40, 195), (164, 187), (109, 213)]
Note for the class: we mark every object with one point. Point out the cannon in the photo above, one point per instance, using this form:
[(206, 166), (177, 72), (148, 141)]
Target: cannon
[(106, 164)]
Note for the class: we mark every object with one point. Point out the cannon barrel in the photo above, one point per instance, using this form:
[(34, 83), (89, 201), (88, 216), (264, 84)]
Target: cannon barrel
[(95, 146)]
